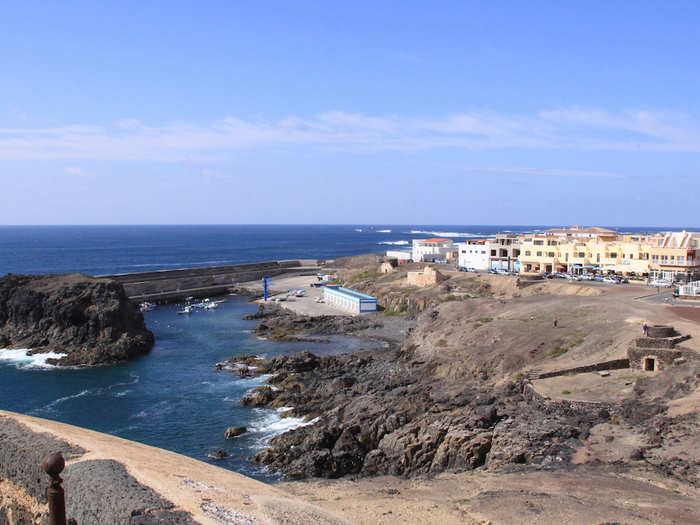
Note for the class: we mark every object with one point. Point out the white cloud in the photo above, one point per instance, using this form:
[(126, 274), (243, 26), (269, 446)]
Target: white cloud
[(78, 172), (563, 129), (551, 172)]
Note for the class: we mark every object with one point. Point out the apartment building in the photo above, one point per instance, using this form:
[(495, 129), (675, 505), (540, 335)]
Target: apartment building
[(473, 253), (670, 256), (429, 250), (504, 251)]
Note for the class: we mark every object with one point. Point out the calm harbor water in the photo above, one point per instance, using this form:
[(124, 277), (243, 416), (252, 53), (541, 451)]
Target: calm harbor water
[(173, 398)]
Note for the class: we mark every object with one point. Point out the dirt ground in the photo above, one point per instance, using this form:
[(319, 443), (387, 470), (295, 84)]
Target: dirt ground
[(579, 497)]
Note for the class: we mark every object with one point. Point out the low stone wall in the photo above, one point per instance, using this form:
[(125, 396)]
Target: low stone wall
[(569, 407), (660, 331), (655, 342), (97, 492), (597, 367)]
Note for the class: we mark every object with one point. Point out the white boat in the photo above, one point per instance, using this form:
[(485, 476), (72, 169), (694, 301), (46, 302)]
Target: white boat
[(146, 306), (211, 306), (186, 310)]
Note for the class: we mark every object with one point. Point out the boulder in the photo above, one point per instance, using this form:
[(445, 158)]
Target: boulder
[(234, 432)]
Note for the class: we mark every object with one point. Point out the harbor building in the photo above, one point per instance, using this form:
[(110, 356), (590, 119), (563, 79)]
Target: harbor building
[(473, 254), (349, 300), (431, 250)]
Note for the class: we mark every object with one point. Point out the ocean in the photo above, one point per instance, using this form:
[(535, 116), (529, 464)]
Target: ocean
[(173, 398)]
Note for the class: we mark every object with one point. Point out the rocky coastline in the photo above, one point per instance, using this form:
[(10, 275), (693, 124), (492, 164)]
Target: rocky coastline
[(393, 412), (89, 320)]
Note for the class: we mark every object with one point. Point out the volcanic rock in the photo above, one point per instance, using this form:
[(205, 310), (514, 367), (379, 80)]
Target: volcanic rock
[(89, 319)]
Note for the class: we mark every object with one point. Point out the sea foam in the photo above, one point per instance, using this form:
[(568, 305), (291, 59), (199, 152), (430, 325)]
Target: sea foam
[(21, 358), (446, 234), (269, 424), (400, 243)]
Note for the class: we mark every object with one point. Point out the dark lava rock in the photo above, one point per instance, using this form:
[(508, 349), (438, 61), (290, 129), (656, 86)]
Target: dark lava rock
[(89, 319), (233, 432), (220, 454)]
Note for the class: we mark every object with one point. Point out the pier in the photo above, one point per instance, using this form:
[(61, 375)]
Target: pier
[(164, 286)]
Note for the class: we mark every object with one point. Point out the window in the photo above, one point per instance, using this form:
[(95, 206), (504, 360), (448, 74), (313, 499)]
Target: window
[(538, 243), (597, 258), (681, 259), (550, 254), (527, 252), (539, 254), (581, 254), (613, 255), (493, 253)]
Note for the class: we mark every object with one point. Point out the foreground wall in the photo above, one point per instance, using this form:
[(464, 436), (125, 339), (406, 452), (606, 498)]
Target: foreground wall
[(112, 481)]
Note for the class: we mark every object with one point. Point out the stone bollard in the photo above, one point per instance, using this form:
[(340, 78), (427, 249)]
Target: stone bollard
[(53, 465)]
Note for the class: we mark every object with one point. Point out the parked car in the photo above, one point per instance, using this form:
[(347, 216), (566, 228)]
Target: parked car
[(491, 270), (472, 270), (586, 277), (610, 280), (661, 283), (598, 278)]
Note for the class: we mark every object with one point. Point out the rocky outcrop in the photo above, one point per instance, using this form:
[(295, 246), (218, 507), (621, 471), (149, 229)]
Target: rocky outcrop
[(280, 324), (382, 414), (89, 319)]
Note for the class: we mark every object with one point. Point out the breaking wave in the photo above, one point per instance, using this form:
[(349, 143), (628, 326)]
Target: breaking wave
[(397, 243), (383, 231), (445, 234), (23, 359), (268, 424)]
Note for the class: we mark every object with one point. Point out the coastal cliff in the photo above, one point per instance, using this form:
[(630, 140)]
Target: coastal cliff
[(89, 320)]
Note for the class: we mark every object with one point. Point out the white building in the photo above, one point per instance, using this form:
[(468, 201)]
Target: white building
[(399, 255), (428, 250), (349, 300), (473, 254)]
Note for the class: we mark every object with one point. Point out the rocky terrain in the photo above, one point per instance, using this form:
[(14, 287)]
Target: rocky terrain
[(88, 319), (454, 395)]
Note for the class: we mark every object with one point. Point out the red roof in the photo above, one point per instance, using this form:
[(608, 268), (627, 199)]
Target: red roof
[(435, 239)]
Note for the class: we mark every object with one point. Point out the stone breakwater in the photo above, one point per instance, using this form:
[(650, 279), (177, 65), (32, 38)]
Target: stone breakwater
[(174, 285), (90, 321)]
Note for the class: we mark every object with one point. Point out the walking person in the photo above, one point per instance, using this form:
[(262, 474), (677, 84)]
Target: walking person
[(644, 329), (556, 321)]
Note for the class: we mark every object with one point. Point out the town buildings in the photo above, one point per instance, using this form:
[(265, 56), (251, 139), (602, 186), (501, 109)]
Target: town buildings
[(668, 256)]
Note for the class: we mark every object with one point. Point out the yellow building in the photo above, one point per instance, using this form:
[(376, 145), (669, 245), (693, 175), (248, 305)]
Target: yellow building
[(669, 256)]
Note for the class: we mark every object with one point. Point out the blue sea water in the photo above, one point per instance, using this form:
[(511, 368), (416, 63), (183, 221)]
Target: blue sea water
[(172, 397)]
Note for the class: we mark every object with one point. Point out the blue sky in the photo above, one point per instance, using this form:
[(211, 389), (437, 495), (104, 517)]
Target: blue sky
[(366, 112)]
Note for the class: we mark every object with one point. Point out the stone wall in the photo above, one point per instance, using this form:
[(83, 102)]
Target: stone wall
[(596, 367), (427, 277), (567, 406), (169, 285), (663, 357), (98, 492)]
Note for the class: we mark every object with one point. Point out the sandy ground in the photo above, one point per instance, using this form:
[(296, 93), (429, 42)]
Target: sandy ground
[(582, 496)]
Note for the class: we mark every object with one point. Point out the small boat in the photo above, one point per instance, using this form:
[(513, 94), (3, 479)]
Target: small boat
[(300, 293), (146, 306), (186, 310), (211, 306)]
